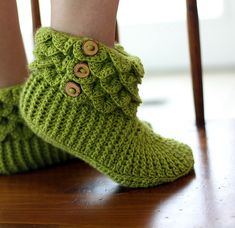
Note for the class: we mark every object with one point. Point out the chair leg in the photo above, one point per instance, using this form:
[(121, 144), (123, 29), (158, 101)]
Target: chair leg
[(116, 33), (195, 58), (36, 19)]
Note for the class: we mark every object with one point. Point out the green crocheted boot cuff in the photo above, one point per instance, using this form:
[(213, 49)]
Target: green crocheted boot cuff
[(20, 149), (82, 97)]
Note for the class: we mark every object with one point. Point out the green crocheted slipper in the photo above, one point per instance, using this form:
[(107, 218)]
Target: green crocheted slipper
[(82, 97), (20, 149)]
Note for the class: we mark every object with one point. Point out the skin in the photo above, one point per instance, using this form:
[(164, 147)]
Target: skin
[(12, 54), (94, 18)]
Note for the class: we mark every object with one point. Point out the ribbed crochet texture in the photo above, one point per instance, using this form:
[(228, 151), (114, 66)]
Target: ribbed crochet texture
[(100, 125), (20, 149)]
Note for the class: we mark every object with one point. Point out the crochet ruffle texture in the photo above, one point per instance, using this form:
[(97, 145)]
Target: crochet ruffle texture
[(98, 124), (11, 124), (112, 83)]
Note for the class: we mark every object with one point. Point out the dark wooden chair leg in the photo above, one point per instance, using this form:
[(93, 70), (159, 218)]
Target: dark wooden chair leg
[(116, 33), (36, 18), (195, 57)]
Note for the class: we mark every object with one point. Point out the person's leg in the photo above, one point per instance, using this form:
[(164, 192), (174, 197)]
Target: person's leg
[(93, 18), (20, 149), (12, 55)]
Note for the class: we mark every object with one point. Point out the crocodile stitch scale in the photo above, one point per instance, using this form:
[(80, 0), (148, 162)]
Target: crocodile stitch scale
[(20, 149), (99, 125)]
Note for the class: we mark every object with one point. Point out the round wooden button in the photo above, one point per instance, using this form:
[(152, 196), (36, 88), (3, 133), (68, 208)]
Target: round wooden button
[(72, 89), (90, 47), (81, 70)]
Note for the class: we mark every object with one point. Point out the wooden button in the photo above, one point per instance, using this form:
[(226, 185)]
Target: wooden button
[(81, 70), (90, 47), (72, 89)]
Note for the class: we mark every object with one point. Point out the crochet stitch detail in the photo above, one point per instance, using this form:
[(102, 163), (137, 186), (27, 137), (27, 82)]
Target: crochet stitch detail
[(20, 149), (113, 82)]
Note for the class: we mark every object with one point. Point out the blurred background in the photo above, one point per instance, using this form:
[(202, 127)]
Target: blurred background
[(156, 31)]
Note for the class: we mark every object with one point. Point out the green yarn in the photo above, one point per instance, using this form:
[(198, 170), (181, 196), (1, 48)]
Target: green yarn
[(100, 124), (112, 84), (20, 149)]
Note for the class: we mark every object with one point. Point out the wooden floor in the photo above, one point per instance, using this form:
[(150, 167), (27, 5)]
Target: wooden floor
[(75, 195)]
